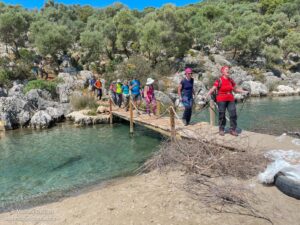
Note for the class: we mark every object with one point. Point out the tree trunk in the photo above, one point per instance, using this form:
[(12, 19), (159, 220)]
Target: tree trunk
[(16, 51)]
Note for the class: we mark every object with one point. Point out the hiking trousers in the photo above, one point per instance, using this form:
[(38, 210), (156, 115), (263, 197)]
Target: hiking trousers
[(230, 106), (188, 105)]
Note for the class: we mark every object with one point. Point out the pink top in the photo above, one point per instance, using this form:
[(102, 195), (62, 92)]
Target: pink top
[(150, 92)]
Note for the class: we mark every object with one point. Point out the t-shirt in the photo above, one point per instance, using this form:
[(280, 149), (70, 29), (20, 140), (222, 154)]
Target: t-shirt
[(225, 90), (119, 88), (98, 84), (187, 87), (135, 87), (92, 82), (125, 89)]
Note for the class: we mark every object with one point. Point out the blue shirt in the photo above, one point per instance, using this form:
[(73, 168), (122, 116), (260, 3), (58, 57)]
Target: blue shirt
[(92, 82), (125, 89), (136, 87), (187, 87)]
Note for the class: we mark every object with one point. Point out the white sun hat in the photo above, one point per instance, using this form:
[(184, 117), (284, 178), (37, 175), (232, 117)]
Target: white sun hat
[(149, 81), (118, 81)]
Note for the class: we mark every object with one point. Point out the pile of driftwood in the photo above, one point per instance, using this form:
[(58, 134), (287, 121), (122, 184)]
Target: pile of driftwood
[(211, 171)]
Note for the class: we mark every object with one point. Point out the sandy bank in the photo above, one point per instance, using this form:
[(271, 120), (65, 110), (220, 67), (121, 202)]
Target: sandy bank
[(153, 198)]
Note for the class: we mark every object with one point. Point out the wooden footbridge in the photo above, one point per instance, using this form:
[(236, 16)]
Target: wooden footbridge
[(169, 124)]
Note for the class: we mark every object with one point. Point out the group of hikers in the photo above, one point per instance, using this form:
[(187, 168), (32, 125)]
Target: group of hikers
[(222, 91), (121, 92)]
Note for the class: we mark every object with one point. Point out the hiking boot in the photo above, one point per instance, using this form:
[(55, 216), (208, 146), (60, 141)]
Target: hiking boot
[(234, 133), (221, 132)]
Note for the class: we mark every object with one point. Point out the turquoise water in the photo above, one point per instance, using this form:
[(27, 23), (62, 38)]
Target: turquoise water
[(49, 163), (267, 115)]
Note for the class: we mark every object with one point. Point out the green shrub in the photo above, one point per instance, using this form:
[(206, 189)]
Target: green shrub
[(84, 102), (43, 85), (258, 75), (92, 112)]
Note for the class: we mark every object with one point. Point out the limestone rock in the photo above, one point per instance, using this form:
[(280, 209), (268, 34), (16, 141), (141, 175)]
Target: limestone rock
[(255, 88), (102, 109), (15, 112), (41, 120), (16, 90), (81, 118), (56, 113), (283, 90), (162, 97)]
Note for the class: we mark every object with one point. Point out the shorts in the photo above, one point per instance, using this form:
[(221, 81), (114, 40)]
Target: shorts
[(136, 97)]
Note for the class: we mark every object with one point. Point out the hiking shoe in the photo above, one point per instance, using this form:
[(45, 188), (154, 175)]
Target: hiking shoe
[(234, 133), (221, 133), (184, 122)]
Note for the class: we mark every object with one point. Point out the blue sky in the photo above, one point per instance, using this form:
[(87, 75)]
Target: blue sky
[(133, 4)]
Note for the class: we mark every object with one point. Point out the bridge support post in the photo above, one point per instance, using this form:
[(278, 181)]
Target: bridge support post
[(131, 116), (172, 123), (157, 107), (110, 112), (2, 125), (212, 113)]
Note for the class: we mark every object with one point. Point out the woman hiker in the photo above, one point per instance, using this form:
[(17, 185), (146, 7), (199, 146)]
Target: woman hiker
[(126, 94), (119, 93), (224, 86), (186, 92), (150, 97), (98, 87)]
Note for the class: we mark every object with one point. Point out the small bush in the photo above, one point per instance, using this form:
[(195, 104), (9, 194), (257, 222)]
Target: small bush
[(43, 85), (258, 75), (84, 102), (92, 112)]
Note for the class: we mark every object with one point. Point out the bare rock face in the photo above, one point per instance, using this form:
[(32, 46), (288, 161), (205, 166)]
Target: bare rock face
[(41, 120), (16, 90), (15, 112), (102, 110), (3, 92), (255, 88), (283, 90)]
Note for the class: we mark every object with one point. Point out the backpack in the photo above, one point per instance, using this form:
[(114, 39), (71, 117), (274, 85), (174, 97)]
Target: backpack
[(215, 93)]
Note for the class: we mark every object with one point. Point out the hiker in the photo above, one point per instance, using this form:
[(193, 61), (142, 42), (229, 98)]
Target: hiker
[(149, 96), (35, 69), (119, 93), (126, 95), (135, 87), (98, 88), (91, 88), (224, 86), (42, 70), (186, 92), (112, 89)]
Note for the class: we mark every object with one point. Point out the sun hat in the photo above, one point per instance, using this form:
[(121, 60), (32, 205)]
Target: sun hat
[(149, 81), (118, 81), (188, 71)]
